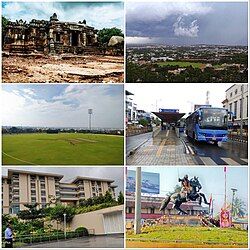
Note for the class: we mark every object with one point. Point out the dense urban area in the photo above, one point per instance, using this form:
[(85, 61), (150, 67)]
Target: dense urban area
[(197, 63)]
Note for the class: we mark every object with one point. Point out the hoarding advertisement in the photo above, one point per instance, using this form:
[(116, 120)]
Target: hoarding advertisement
[(150, 182)]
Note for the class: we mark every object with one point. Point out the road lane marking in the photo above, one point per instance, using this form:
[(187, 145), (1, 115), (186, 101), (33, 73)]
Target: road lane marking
[(191, 150), (245, 160), (158, 153), (167, 133), (207, 161), (230, 161)]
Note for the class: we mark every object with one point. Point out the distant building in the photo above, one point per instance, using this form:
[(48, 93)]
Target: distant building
[(150, 207), (131, 108), (25, 187), (237, 97)]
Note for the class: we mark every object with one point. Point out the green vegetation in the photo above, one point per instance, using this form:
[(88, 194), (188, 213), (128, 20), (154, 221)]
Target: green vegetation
[(62, 149), (34, 224), (194, 235), (181, 64), (105, 34)]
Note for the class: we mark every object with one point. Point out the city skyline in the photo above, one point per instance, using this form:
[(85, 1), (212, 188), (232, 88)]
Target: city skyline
[(187, 23), (62, 105), (110, 14)]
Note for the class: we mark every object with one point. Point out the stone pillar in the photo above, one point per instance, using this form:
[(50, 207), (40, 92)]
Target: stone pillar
[(84, 39)]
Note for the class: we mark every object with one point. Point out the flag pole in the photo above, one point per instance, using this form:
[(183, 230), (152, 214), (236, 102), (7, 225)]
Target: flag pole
[(225, 194)]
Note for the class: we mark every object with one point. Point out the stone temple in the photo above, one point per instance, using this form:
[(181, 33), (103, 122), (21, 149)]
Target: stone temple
[(50, 37)]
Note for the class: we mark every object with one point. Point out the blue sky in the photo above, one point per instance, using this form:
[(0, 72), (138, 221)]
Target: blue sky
[(187, 22), (211, 179), (62, 105), (97, 14)]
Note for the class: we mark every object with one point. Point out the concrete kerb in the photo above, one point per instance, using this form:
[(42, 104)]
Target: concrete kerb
[(131, 152)]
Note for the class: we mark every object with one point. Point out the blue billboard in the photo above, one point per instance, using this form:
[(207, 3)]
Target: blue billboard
[(169, 110), (150, 182)]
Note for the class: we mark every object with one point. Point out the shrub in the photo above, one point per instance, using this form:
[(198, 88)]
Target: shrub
[(82, 231)]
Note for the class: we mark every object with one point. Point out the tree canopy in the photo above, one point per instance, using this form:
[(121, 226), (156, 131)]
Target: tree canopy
[(105, 34)]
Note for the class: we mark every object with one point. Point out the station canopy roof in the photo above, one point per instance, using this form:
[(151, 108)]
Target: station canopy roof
[(169, 117)]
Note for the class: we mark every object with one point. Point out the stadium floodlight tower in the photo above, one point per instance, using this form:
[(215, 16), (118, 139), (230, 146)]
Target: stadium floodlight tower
[(90, 112)]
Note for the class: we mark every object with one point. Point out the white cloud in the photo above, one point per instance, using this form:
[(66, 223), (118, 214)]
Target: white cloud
[(99, 16), (158, 11), (69, 109), (183, 29)]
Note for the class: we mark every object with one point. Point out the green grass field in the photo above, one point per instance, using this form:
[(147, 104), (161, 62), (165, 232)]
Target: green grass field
[(188, 236), (181, 64), (62, 149)]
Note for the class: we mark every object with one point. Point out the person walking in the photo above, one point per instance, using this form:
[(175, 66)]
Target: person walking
[(8, 236)]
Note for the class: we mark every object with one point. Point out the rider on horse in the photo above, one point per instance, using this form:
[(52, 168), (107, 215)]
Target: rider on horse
[(185, 187)]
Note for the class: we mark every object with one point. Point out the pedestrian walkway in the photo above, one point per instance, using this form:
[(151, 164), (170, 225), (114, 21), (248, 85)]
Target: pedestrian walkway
[(104, 241), (164, 149)]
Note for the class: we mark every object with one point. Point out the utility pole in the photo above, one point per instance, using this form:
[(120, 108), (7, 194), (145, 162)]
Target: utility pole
[(90, 112), (137, 224), (241, 113)]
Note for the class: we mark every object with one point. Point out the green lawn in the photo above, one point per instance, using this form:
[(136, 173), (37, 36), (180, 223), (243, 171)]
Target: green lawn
[(181, 64), (191, 234), (62, 149)]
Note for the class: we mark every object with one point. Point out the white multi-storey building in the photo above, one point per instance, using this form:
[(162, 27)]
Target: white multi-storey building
[(237, 102)]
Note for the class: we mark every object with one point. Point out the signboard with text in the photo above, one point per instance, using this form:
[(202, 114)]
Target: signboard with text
[(169, 110)]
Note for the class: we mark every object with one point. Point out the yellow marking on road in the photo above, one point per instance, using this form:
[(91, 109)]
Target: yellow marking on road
[(158, 153)]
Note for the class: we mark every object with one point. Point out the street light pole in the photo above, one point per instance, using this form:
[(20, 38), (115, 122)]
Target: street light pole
[(137, 226), (90, 112), (64, 219)]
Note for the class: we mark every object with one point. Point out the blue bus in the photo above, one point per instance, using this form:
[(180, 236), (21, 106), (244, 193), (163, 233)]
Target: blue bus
[(208, 124)]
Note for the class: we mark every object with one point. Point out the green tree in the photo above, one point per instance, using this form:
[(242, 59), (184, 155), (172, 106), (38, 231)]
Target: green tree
[(105, 34), (4, 25), (108, 197), (32, 213), (57, 213), (239, 208), (120, 198), (143, 122)]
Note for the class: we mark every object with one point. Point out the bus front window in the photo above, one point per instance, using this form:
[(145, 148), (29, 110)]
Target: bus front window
[(214, 119)]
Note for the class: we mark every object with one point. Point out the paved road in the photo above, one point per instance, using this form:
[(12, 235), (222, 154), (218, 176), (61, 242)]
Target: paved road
[(136, 140), (226, 153), (164, 149), (114, 241)]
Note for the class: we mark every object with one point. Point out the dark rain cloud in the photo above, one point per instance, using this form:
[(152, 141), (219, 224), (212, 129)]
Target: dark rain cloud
[(190, 23)]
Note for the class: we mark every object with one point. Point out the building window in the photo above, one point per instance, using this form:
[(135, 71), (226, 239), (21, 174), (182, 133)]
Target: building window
[(43, 199), (33, 192), (235, 109), (236, 91), (15, 209), (42, 185), (230, 109), (241, 107), (33, 185), (33, 199), (129, 210), (152, 210), (43, 193), (58, 37)]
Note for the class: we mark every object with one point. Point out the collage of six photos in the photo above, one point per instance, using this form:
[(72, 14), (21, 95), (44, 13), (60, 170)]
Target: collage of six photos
[(124, 124)]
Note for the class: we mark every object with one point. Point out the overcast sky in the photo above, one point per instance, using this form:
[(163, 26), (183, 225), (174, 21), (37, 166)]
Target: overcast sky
[(62, 105), (182, 96), (113, 173), (211, 179), (187, 22), (100, 15)]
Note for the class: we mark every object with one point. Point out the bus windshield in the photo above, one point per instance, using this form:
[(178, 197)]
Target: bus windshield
[(213, 119)]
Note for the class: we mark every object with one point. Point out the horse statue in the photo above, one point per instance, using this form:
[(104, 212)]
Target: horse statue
[(180, 197)]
